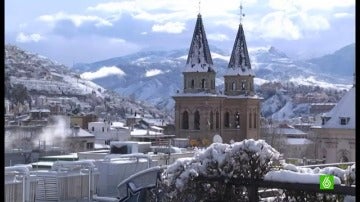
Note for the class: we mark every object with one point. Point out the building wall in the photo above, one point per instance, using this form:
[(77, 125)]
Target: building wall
[(197, 77), (221, 105), (333, 143)]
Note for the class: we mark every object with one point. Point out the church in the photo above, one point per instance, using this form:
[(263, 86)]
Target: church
[(205, 114)]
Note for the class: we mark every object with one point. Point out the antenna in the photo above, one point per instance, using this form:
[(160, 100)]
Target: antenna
[(241, 13)]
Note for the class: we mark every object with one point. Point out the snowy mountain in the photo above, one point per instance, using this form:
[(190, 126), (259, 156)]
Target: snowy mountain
[(156, 75), (43, 77), (341, 62)]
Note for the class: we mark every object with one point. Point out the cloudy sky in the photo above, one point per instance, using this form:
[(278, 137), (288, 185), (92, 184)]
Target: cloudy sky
[(71, 31)]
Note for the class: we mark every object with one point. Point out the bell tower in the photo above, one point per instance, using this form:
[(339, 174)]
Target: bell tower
[(199, 74)]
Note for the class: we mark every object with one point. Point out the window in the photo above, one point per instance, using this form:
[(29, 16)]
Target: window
[(90, 145), (197, 120), (213, 84), (226, 86), (255, 120), (227, 120), (250, 119), (92, 129), (344, 120), (243, 85), (185, 120), (233, 86), (211, 121), (237, 120), (217, 120), (192, 83), (203, 83), (103, 129)]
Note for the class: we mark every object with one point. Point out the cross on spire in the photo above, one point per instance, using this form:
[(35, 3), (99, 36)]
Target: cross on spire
[(241, 13), (199, 6)]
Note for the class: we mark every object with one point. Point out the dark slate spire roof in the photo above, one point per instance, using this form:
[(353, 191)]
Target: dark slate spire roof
[(199, 58), (239, 60)]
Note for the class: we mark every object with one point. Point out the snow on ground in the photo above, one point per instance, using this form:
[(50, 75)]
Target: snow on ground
[(153, 72), (103, 72), (218, 56), (312, 81)]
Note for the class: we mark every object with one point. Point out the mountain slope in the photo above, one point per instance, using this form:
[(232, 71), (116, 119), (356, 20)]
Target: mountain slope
[(43, 77), (341, 62), (156, 75)]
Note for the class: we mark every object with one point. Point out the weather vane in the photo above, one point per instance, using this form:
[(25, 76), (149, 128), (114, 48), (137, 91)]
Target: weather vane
[(241, 13)]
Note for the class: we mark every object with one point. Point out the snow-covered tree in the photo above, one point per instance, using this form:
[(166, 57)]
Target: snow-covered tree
[(247, 159)]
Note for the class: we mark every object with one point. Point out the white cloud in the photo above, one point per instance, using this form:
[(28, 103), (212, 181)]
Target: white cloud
[(76, 19), (143, 33), (278, 25), (343, 15), (153, 72), (103, 72), (218, 37), (169, 27), (24, 38), (307, 5)]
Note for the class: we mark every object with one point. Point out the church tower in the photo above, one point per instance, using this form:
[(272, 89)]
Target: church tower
[(239, 77), (199, 74), (201, 114)]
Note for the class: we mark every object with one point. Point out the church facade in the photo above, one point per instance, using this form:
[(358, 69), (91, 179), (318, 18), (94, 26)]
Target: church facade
[(203, 113)]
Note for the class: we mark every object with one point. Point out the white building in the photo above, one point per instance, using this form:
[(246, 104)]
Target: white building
[(336, 134), (106, 131)]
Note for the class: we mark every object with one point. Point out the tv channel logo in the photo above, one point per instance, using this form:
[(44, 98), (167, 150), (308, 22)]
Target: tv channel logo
[(326, 182)]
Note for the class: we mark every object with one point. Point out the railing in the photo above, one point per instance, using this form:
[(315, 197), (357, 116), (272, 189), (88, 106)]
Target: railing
[(131, 188)]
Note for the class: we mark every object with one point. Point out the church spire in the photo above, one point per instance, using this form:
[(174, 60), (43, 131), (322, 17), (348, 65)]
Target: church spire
[(199, 57), (240, 60)]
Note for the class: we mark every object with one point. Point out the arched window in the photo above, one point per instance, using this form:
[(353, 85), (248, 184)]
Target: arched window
[(211, 121), (197, 120), (185, 120), (217, 120), (237, 120), (227, 120), (255, 120), (203, 83), (243, 85), (226, 86), (192, 83), (213, 84), (233, 86), (185, 84), (250, 119)]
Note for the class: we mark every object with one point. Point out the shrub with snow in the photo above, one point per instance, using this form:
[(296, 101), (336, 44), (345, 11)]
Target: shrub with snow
[(246, 159)]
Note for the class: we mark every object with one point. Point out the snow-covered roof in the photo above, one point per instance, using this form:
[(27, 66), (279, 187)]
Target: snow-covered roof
[(345, 108), (240, 61), (298, 141), (199, 57), (137, 132), (289, 131)]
